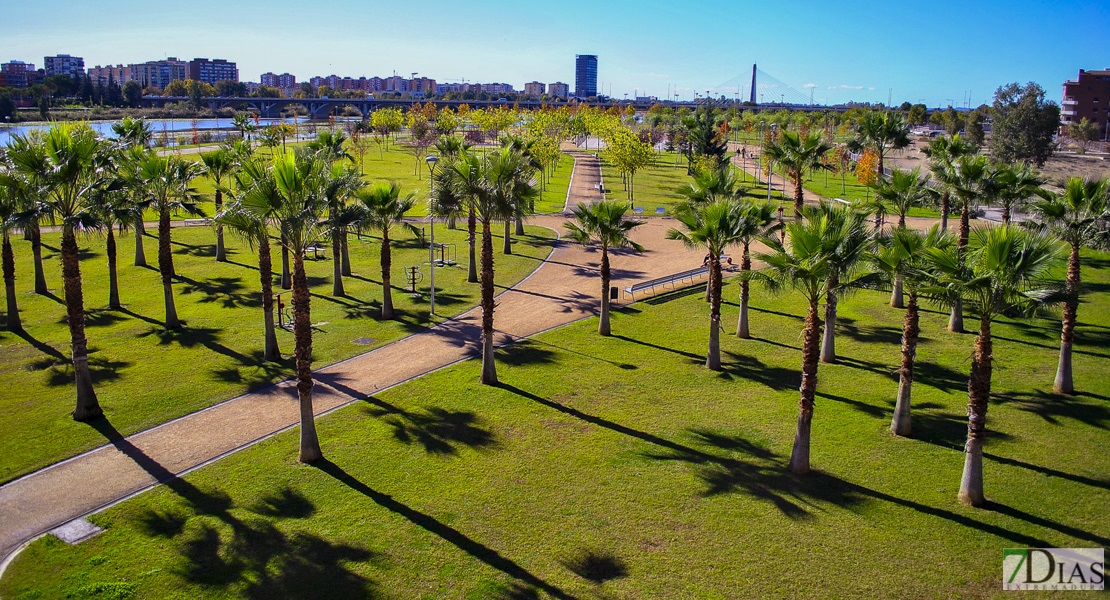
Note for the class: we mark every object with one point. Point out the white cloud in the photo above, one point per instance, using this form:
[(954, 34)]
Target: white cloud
[(845, 86), (871, 89), (810, 85)]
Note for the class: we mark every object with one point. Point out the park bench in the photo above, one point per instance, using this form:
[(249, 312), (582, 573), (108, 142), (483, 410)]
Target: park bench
[(638, 211), (660, 212), (663, 282), (317, 252), (196, 222)]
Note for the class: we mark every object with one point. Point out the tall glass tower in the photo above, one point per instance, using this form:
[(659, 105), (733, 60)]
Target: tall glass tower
[(585, 75)]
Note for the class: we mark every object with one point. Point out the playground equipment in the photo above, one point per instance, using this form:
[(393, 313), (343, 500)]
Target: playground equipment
[(414, 276), (447, 254)]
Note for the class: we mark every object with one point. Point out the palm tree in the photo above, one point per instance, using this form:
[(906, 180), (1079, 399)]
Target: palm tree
[(1002, 270), (970, 178), (340, 182), (9, 208), (845, 244), (128, 170), (603, 223), (943, 152), (881, 131), (297, 206), (257, 188), (383, 208), (901, 192), (133, 133), (757, 221), (900, 259), (27, 181), (1014, 186), (711, 185), (219, 164), (111, 207), (715, 227), (490, 187), (71, 157), (802, 266), (330, 146), (167, 180), (1074, 216), (799, 156)]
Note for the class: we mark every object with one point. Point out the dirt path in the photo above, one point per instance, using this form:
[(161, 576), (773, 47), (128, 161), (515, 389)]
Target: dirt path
[(562, 289)]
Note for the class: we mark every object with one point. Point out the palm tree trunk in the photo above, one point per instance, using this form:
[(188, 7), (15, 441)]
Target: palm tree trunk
[(1063, 383), (471, 240), (978, 392), (36, 250), (828, 341), (113, 280), (165, 266), (451, 224), (956, 319), (713, 356), (896, 296), (606, 274), (14, 322), (489, 368), (221, 253), (508, 249), (799, 455), (742, 331), (900, 424), (519, 225), (799, 197), (336, 265), (1005, 214), (346, 254), (87, 407), (286, 278), (302, 333), (266, 277), (944, 208), (140, 252), (387, 262)]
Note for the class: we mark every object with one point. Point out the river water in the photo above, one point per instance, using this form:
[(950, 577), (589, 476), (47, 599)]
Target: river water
[(171, 127)]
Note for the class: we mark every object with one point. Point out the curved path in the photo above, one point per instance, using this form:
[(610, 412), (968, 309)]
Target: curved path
[(564, 288)]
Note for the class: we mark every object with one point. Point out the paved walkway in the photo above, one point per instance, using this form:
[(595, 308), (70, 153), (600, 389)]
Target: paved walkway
[(564, 288)]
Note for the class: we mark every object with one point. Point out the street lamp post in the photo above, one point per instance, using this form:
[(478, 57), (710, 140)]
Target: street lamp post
[(759, 165), (431, 162), (770, 165)]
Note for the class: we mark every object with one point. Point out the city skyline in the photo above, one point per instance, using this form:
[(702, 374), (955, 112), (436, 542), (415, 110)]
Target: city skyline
[(939, 61)]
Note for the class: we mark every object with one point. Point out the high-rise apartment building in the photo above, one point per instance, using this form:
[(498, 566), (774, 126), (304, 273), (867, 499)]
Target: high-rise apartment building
[(18, 74), (558, 90), (534, 89), (285, 81), (117, 75), (211, 71), (159, 73), (1087, 96), (585, 75), (64, 64)]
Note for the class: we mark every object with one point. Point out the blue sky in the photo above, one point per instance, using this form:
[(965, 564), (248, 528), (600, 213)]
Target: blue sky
[(937, 52)]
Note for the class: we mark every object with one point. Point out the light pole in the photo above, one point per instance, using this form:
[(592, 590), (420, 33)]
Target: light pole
[(770, 170), (431, 161), (759, 165)]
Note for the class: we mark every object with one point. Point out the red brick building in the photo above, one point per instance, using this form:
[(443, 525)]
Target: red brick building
[(1087, 96)]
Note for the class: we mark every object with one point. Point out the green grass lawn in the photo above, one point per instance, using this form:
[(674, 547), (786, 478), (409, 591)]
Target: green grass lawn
[(394, 164), (145, 375), (656, 184), (621, 468)]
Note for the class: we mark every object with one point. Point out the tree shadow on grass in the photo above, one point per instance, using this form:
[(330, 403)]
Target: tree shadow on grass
[(200, 250), (102, 370), (437, 430), (939, 376), (775, 312), (267, 562), (50, 351), (690, 355), (460, 540), (258, 372), (697, 288), (557, 348), (868, 333), (597, 566), (525, 352), (229, 292), (190, 337), (752, 369), (1054, 407), (96, 317)]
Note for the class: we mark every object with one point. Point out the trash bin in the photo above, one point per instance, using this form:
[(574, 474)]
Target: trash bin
[(612, 292)]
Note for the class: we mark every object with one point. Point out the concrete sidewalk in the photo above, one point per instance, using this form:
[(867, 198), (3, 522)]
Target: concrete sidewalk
[(564, 288)]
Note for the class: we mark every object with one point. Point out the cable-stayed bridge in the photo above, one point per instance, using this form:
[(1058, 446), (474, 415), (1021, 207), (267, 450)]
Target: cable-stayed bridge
[(760, 88)]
